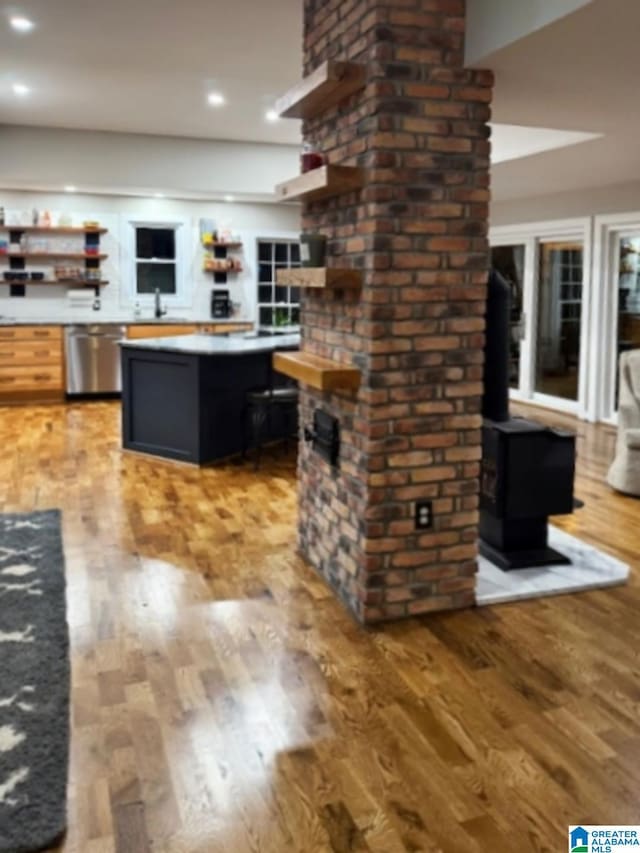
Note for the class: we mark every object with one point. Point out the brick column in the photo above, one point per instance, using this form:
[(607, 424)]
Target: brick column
[(418, 230)]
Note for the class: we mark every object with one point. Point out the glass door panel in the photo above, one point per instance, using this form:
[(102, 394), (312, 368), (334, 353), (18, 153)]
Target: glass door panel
[(628, 331), (509, 262), (559, 317)]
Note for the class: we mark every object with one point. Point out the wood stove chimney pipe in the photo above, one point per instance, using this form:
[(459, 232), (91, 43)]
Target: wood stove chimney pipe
[(495, 402)]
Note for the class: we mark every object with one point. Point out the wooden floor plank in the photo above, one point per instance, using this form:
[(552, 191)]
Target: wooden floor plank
[(224, 702)]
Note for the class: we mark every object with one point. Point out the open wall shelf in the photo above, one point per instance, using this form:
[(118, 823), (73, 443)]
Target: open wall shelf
[(65, 283), (323, 182), (218, 245), (317, 372), (216, 250), (59, 231), (325, 87), (43, 251), (319, 278), (75, 256)]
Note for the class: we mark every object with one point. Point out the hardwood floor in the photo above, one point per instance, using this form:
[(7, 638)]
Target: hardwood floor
[(224, 702)]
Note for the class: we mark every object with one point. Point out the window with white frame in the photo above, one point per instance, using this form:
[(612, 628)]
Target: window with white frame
[(278, 306), (157, 260)]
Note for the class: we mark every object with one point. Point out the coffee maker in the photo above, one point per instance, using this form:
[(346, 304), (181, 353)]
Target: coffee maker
[(221, 304)]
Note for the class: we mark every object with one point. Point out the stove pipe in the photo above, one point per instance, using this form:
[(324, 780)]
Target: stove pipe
[(495, 402)]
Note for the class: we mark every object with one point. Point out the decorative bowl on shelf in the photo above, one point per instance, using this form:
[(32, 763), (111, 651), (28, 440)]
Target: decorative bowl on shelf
[(37, 276)]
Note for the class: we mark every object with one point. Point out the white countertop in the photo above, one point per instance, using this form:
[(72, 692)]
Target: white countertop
[(94, 318), (214, 344)]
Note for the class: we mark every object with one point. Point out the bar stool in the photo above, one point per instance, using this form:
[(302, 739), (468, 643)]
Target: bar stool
[(260, 406)]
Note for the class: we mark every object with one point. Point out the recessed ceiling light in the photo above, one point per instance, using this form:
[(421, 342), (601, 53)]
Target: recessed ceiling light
[(21, 24), (20, 90), (229, 198), (70, 188), (215, 99), (272, 115)]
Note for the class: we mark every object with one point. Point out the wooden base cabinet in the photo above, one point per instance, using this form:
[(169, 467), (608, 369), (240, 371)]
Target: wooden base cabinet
[(31, 364), (32, 368)]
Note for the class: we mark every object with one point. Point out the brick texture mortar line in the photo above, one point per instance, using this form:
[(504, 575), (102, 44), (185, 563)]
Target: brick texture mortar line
[(418, 231)]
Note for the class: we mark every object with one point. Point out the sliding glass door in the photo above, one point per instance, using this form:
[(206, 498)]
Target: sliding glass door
[(559, 319), (617, 324), (548, 266), (627, 332)]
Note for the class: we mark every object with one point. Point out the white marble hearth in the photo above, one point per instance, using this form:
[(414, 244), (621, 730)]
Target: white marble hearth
[(589, 569)]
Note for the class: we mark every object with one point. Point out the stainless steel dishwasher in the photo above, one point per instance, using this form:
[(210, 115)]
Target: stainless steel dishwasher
[(93, 358)]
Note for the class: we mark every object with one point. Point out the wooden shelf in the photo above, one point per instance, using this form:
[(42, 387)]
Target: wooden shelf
[(315, 371), (319, 277), (323, 182), (76, 256), (212, 246), (42, 229), (65, 282), (325, 87)]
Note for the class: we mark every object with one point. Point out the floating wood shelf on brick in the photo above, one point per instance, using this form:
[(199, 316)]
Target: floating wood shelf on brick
[(325, 87), (315, 371), (320, 183), (319, 277)]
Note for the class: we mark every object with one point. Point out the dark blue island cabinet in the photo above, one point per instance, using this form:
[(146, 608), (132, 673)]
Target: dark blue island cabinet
[(184, 398)]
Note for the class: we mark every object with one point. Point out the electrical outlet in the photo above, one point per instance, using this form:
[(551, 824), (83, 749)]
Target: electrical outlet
[(424, 515)]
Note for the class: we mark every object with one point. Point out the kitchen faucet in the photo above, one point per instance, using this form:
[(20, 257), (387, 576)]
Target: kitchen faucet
[(159, 310)]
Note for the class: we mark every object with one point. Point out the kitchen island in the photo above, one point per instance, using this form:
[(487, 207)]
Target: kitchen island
[(184, 397)]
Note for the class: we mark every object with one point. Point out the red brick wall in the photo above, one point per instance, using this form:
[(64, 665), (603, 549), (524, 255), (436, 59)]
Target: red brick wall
[(418, 230)]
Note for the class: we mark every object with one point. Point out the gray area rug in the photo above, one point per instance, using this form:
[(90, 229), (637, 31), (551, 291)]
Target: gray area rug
[(34, 682)]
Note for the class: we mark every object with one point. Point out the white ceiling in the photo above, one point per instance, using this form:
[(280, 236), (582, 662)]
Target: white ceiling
[(579, 74), (146, 66), (511, 141)]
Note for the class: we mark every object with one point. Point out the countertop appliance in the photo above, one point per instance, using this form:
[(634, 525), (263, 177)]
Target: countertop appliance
[(93, 358), (221, 304)]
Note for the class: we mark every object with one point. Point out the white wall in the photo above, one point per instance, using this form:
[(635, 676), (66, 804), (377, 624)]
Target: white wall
[(48, 159), (493, 24), (619, 198), (249, 221)]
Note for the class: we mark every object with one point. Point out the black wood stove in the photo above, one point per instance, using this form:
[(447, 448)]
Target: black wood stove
[(527, 469)]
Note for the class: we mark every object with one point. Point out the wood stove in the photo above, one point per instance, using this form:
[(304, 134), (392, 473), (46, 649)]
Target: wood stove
[(527, 469)]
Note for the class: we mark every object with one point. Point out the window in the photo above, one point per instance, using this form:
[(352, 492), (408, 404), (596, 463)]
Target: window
[(277, 306), (156, 260), (157, 254)]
